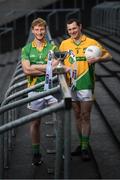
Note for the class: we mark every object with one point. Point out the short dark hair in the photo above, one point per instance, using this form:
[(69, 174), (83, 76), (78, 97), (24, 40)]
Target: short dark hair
[(70, 21)]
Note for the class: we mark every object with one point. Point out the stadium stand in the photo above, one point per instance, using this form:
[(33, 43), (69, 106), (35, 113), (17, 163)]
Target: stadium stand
[(105, 139), (11, 10)]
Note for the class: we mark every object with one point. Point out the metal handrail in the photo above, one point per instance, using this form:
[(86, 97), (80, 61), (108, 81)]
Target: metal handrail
[(9, 106), (28, 99), (25, 119), (31, 117), (23, 92), (14, 87)]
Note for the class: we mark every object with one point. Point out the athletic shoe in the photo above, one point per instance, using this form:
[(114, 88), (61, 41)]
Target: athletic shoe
[(77, 151), (36, 160), (85, 155)]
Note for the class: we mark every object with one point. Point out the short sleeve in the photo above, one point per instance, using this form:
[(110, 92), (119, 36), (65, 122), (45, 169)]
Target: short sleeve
[(61, 47), (25, 53)]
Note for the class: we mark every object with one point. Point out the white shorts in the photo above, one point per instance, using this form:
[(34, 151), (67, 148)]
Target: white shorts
[(82, 95), (42, 102)]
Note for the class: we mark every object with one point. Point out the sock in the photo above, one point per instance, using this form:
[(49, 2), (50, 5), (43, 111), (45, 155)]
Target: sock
[(80, 138), (85, 142), (36, 148)]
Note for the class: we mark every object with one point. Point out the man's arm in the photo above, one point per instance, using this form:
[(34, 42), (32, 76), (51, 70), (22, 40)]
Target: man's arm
[(34, 69), (105, 58), (55, 62)]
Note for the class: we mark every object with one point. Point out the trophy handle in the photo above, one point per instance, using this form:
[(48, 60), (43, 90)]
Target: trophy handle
[(60, 55)]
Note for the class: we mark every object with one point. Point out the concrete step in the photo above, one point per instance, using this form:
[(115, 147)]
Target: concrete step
[(109, 108), (103, 40), (105, 150), (113, 85), (100, 71), (104, 33), (112, 66), (6, 75)]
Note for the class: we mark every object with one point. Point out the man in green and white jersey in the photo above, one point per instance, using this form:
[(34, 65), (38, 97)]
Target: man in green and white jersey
[(34, 62)]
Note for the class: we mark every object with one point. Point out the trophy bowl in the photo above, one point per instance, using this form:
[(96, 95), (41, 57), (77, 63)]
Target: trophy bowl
[(60, 56)]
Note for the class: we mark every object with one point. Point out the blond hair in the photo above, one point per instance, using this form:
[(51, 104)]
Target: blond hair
[(39, 21)]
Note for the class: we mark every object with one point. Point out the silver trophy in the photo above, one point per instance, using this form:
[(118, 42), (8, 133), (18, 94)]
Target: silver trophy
[(60, 56)]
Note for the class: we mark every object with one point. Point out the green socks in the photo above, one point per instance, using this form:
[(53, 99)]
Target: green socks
[(36, 148), (80, 137), (84, 142)]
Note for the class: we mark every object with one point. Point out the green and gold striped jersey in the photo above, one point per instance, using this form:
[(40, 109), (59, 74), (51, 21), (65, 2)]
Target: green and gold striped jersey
[(85, 72), (36, 56)]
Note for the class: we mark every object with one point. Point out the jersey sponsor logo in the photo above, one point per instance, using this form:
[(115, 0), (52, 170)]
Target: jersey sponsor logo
[(32, 55), (40, 62)]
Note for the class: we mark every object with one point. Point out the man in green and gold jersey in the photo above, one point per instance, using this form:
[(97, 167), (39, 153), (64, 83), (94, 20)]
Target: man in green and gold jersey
[(83, 85), (34, 62)]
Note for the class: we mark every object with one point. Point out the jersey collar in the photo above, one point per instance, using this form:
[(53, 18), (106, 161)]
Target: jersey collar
[(82, 38), (40, 48)]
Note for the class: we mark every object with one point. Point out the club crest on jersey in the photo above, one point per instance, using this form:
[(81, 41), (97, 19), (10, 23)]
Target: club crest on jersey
[(71, 60), (84, 49)]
